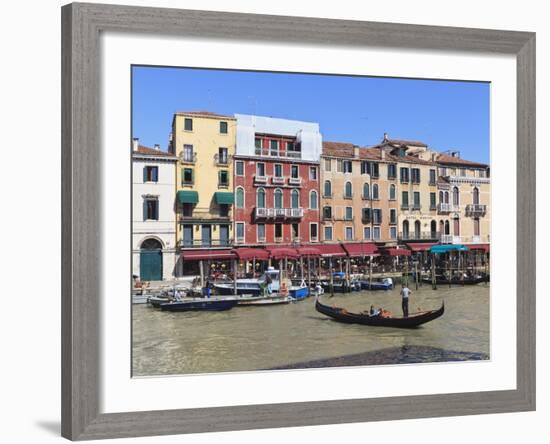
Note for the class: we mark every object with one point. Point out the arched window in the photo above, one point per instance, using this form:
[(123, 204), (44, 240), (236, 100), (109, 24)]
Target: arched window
[(295, 199), (476, 196), (446, 197), (456, 196), (375, 194), (447, 227), (278, 198), (433, 229), (405, 229), (239, 197), (417, 229), (313, 200), (328, 188), (348, 190), (441, 227), (260, 198), (392, 192), (441, 197), (366, 191), (456, 226), (151, 244)]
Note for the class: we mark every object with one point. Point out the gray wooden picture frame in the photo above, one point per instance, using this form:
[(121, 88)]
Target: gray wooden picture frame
[(81, 252)]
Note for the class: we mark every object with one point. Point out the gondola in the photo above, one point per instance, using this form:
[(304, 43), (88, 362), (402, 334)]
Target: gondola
[(442, 280), (412, 321)]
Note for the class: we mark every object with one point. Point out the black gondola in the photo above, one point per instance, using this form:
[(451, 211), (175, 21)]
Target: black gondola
[(412, 321), (442, 280)]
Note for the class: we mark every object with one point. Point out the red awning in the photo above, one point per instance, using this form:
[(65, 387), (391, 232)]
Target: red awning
[(421, 246), (282, 252), (482, 247), (361, 249), (245, 254), (396, 251), (331, 250), (207, 255), (309, 251)]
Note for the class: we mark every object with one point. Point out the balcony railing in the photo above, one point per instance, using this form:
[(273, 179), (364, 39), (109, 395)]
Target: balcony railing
[(433, 235), (447, 207), (188, 157), (205, 243), (276, 180), (260, 179), (476, 210), (295, 181), (416, 207), (223, 159), (278, 213), (267, 152), (452, 239)]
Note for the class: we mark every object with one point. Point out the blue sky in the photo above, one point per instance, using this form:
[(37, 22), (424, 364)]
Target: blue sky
[(444, 114)]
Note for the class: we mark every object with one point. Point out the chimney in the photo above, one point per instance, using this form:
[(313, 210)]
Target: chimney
[(355, 152), (385, 137), (382, 154), (157, 146), (135, 143)]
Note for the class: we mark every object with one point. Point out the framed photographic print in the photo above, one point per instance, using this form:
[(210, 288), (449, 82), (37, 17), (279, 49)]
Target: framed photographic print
[(261, 213)]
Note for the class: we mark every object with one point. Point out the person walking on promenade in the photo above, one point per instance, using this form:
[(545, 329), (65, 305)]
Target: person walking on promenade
[(405, 292)]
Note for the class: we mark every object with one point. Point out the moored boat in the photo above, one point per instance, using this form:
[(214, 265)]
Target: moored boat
[(456, 280), (380, 320), (202, 304), (382, 284)]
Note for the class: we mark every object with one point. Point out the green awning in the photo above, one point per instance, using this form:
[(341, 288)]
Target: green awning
[(224, 198), (447, 248), (188, 197)]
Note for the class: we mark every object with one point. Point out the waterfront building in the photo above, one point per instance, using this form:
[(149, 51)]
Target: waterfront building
[(153, 217), (204, 144), (358, 194), (276, 174)]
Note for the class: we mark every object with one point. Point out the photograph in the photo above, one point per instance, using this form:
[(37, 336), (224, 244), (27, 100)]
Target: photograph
[(294, 220)]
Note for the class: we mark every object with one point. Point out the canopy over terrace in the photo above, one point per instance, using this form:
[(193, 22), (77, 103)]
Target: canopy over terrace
[(208, 255), (245, 254), (309, 251), (421, 246), (392, 251), (447, 248), (479, 247), (361, 249), (332, 250), (282, 253)]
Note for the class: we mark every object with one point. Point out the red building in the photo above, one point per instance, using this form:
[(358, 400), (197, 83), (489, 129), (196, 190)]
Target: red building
[(276, 192)]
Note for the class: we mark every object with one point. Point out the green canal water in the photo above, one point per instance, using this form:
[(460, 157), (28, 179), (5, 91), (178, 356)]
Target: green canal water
[(297, 336)]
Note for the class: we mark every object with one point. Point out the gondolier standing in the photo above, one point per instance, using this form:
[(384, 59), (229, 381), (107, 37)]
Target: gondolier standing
[(405, 292)]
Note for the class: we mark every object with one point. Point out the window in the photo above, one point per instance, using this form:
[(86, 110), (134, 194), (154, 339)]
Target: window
[(151, 209), (349, 233), (366, 233), (475, 196), (278, 232), (188, 153), (366, 215), (456, 226), (261, 232), (258, 146), (293, 149), (295, 231), (223, 127), (260, 198), (150, 174), (417, 229), (405, 200), (188, 235), (187, 210), (432, 201), (416, 200), (295, 199), (377, 216), (462, 172), (415, 175), (349, 213), (278, 198), (348, 190), (374, 172), (456, 196), (327, 190), (392, 171), (393, 232), (274, 147), (187, 176), (328, 233), (239, 168), (188, 124), (340, 166), (260, 169), (239, 227), (224, 210), (294, 172), (313, 232), (313, 173), (328, 164), (375, 194), (223, 158), (376, 233), (239, 197), (441, 197), (443, 171), (392, 192), (313, 200), (347, 166), (366, 192), (278, 170), (404, 175), (393, 216), (365, 167), (223, 178), (476, 226), (432, 177), (405, 229), (327, 212), (482, 173)]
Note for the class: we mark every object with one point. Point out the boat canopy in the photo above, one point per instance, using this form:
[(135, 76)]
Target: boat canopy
[(223, 198), (447, 248), (188, 196), (421, 246), (361, 249), (245, 254), (208, 255)]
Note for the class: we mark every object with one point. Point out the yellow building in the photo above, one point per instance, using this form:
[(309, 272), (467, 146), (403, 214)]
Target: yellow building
[(204, 144)]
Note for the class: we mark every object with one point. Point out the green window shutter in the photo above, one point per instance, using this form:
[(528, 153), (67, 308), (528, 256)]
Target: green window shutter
[(144, 209), (144, 174)]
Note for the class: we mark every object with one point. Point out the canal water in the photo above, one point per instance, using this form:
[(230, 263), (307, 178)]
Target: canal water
[(297, 336)]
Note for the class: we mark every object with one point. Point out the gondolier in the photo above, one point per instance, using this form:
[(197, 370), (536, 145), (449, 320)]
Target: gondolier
[(405, 292)]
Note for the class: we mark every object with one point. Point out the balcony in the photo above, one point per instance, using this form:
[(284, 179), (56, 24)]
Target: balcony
[(413, 236), (476, 210), (222, 160), (260, 179), (205, 243), (295, 181), (275, 180), (452, 239), (447, 208), (280, 154), (278, 213), (187, 157), (416, 207)]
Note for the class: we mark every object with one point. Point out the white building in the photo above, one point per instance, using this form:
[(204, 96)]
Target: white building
[(153, 215)]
